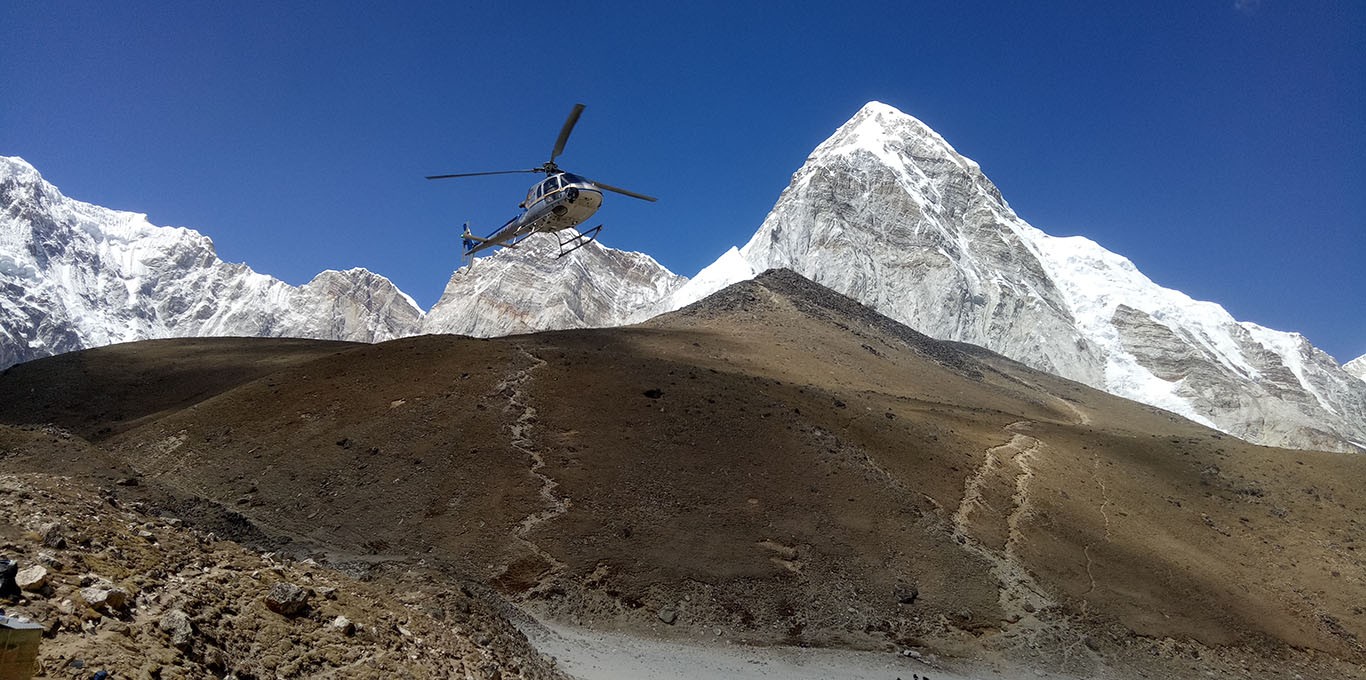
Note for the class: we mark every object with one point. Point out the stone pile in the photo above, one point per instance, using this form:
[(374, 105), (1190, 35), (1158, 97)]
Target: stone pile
[(120, 590)]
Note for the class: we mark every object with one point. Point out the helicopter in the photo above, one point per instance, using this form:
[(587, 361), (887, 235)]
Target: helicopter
[(560, 201)]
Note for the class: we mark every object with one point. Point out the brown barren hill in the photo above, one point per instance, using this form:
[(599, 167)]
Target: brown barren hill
[(778, 464), (105, 390)]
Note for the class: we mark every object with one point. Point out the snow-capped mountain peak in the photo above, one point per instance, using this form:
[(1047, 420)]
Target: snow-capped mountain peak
[(1357, 367), (887, 212), (76, 275), (895, 138)]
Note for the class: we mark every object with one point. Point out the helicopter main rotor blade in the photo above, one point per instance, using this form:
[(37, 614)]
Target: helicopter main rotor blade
[(624, 192), (569, 124), (478, 174)]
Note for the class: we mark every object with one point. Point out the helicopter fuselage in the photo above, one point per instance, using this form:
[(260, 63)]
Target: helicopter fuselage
[(560, 201)]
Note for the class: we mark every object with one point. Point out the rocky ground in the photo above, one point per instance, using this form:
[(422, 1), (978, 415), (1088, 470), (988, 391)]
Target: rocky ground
[(121, 587)]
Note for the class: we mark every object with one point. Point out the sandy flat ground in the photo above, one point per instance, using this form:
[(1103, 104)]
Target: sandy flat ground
[(594, 655)]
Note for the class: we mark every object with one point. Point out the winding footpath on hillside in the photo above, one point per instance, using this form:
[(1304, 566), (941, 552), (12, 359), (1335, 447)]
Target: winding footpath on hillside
[(513, 388), (989, 525)]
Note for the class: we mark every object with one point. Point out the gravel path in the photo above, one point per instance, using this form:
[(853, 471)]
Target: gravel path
[(593, 655)]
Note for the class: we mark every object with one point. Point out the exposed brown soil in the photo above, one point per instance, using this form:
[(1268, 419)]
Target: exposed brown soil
[(777, 463), (197, 606)]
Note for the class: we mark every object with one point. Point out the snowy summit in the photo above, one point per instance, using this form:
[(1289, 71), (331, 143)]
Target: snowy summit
[(887, 212), (78, 275)]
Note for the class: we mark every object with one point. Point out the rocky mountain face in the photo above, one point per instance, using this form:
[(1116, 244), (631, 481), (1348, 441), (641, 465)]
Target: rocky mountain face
[(887, 212), (75, 275), (530, 289), (1357, 367)]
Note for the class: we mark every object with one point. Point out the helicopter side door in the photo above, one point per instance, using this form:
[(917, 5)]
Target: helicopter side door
[(535, 194), (549, 188)]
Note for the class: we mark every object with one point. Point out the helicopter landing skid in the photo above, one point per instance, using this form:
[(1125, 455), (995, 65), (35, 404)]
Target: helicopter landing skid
[(577, 241)]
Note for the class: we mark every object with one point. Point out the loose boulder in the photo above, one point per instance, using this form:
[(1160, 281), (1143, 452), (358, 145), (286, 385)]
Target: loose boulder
[(54, 535), (32, 579), (287, 599), (105, 596), (176, 623)]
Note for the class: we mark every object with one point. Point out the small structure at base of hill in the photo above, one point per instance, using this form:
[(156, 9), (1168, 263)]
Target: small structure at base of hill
[(18, 647)]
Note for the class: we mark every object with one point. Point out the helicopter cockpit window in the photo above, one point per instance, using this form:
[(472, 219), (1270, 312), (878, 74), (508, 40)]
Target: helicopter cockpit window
[(571, 179)]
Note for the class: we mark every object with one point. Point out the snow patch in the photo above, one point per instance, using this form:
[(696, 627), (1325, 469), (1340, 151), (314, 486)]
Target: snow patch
[(1356, 367), (1289, 347), (729, 269)]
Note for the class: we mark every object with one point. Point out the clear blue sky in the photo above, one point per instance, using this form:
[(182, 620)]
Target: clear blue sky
[(1220, 144)]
